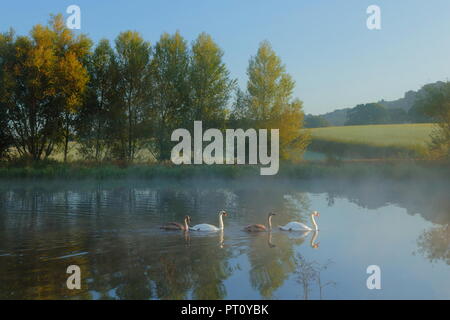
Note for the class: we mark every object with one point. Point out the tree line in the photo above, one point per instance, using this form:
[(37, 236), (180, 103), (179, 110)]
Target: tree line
[(431, 105), (374, 113), (115, 100), (408, 109)]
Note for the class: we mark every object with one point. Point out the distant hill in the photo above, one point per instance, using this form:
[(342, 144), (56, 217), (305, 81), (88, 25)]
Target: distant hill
[(336, 117), (404, 103), (339, 116)]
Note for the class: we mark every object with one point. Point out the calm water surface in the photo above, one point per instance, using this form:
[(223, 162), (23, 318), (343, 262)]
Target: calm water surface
[(111, 230)]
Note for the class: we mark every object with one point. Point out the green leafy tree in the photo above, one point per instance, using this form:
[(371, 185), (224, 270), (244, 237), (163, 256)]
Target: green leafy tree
[(397, 115), (435, 103), (133, 65), (271, 104), (416, 114), (370, 113), (210, 82), (315, 122), (239, 117), (94, 122), (171, 85)]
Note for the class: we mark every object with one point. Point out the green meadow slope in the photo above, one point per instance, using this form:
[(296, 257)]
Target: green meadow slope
[(373, 141)]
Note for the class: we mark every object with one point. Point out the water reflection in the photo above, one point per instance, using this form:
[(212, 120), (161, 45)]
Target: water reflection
[(269, 240), (434, 244), (314, 243), (309, 273), (111, 230)]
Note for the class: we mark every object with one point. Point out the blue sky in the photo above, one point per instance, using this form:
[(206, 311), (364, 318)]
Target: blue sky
[(325, 44)]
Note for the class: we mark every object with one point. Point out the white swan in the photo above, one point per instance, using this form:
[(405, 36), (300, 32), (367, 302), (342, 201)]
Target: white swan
[(210, 227), (298, 226)]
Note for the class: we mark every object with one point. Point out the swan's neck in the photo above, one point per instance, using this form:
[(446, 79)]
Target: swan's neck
[(269, 223), (220, 222), (186, 225), (314, 222)]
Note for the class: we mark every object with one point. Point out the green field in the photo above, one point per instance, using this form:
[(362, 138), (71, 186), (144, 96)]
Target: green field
[(380, 135), (373, 141)]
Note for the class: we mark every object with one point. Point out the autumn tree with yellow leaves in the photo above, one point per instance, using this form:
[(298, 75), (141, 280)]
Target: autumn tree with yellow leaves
[(269, 102), (43, 79), (116, 101)]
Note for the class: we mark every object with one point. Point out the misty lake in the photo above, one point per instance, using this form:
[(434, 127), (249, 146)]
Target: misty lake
[(111, 230)]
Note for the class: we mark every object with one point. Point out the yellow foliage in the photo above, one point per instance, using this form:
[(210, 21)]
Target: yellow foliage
[(271, 104)]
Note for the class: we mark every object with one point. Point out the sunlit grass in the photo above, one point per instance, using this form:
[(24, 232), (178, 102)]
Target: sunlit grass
[(379, 135), (373, 141), (73, 154)]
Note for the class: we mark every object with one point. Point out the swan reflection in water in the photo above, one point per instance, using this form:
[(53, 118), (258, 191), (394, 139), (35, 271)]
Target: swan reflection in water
[(313, 243), (269, 240), (303, 235), (298, 226), (187, 238)]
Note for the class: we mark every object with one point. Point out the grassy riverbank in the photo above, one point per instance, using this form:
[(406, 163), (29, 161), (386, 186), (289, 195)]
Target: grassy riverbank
[(305, 170)]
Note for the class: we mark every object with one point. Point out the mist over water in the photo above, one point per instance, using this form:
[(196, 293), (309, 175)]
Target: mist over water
[(111, 230)]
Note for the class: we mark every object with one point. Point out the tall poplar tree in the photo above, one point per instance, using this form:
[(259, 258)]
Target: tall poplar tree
[(270, 102), (71, 76), (210, 82), (133, 65), (171, 98), (94, 122)]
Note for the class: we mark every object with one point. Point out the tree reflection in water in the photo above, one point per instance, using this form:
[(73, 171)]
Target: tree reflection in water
[(110, 229), (434, 244), (308, 273)]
